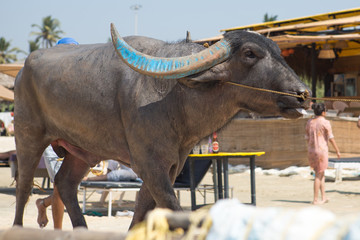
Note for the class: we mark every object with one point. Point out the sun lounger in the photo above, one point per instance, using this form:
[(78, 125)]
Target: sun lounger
[(109, 187), (182, 183), (339, 164), (112, 187)]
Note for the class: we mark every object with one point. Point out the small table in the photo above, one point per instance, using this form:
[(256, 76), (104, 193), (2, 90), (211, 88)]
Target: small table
[(221, 160)]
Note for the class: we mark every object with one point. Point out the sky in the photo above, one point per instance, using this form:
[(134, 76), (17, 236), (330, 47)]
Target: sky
[(89, 21)]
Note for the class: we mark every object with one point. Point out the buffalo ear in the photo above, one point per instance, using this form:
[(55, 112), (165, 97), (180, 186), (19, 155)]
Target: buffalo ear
[(218, 73)]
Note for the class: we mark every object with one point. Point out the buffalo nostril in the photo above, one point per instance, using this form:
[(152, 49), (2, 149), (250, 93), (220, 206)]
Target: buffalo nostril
[(304, 93), (305, 98), (308, 93)]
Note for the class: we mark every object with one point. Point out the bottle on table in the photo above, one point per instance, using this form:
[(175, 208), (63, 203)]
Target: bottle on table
[(215, 143)]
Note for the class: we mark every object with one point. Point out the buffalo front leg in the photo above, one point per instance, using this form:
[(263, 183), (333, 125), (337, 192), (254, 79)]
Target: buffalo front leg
[(67, 180), (157, 191), (144, 203)]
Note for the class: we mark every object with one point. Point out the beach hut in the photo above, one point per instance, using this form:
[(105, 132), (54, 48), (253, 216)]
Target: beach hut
[(320, 48), (324, 47)]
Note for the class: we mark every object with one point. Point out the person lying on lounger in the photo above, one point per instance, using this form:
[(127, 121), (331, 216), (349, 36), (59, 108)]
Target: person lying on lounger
[(116, 173)]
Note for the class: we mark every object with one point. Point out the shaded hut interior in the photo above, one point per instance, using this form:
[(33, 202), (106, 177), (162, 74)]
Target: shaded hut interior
[(324, 48)]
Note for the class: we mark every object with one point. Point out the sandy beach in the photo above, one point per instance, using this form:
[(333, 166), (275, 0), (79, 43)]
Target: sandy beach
[(273, 189)]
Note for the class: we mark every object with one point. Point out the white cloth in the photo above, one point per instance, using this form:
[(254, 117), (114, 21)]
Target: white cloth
[(51, 162), (119, 172), (233, 220)]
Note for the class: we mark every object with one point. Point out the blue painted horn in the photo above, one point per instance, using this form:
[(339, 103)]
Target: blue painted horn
[(170, 68)]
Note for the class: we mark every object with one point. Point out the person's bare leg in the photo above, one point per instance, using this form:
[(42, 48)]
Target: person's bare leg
[(317, 182), (57, 209), (322, 189), (319, 185), (122, 194), (96, 178), (42, 204), (104, 194)]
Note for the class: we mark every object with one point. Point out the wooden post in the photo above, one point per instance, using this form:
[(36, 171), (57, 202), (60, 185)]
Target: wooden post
[(313, 69)]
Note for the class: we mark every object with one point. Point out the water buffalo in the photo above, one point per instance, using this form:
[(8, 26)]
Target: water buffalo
[(146, 108)]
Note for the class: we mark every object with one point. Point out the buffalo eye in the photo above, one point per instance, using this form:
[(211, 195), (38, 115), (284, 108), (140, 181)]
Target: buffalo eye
[(250, 54)]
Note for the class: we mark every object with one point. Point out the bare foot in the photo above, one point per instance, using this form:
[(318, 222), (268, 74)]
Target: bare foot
[(42, 218), (320, 202)]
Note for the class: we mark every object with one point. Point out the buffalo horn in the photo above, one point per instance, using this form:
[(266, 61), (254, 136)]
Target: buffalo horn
[(170, 68)]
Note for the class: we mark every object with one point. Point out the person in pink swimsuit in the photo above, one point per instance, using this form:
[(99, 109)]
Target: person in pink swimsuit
[(318, 134)]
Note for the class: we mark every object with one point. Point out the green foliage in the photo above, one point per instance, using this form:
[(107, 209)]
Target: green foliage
[(33, 46), (49, 32), (7, 54), (268, 18), (320, 86), (6, 106)]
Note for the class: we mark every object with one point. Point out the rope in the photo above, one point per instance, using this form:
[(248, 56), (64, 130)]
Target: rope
[(156, 226), (200, 224), (303, 96), (35, 184)]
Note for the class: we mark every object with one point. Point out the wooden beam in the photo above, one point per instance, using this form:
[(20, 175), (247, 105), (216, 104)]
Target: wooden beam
[(291, 39), (316, 26)]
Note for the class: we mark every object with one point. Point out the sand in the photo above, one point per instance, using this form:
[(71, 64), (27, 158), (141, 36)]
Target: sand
[(294, 191)]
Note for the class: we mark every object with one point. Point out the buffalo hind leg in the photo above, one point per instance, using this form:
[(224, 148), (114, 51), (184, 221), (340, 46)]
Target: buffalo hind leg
[(67, 180), (27, 165)]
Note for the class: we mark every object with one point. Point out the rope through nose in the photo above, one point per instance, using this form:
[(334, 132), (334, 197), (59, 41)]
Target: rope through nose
[(304, 96)]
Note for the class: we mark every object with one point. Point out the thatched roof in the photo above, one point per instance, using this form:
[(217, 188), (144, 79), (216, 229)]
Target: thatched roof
[(299, 23), (7, 81), (307, 35), (8, 73), (6, 94), (10, 69)]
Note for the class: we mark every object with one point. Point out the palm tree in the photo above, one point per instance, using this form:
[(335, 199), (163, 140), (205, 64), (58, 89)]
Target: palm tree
[(268, 18), (49, 32), (7, 55), (33, 46)]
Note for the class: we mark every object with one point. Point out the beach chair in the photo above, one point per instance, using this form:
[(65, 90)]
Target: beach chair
[(182, 183), (341, 163), (110, 187)]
